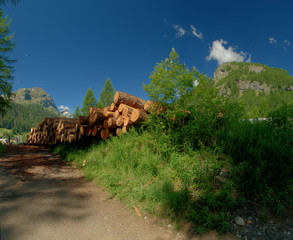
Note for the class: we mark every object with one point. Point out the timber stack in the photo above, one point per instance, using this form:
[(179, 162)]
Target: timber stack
[(125, 112)]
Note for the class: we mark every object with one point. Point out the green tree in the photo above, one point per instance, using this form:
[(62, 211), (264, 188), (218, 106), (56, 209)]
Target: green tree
[(6, 68), (171, 81), (88, 102), (107, 95), (77, 112)]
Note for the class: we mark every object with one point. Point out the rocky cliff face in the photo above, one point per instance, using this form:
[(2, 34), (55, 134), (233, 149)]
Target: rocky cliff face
[(35, 95)]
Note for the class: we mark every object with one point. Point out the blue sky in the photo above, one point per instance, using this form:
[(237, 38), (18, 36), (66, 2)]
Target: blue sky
[(68, 46)]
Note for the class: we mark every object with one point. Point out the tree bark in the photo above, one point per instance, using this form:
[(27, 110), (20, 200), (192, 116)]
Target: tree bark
[(96, 116), (130, 100)]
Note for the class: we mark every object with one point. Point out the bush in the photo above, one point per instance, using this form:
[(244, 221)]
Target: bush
[(262, 158)]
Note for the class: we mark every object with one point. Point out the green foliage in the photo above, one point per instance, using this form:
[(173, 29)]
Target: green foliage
[(263, 156), (171, 81), (282, 117), (107, 95), (6, 68), (22, 117), (77, 112), (88, 102), (276, 83), (177, 185)]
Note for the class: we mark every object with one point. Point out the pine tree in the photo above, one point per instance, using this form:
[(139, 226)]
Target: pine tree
[(6, 68), (107, 95), (77, 112), (88, 102)]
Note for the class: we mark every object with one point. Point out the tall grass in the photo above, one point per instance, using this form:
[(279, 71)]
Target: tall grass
[(137, 168)]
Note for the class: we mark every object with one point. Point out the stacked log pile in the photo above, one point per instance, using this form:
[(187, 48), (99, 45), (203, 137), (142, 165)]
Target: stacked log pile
[(125, 112)]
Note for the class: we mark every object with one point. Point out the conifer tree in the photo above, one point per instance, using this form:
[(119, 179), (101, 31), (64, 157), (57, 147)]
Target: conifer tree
[(107, 95), (88, 102), (6, 68), (76, 112)]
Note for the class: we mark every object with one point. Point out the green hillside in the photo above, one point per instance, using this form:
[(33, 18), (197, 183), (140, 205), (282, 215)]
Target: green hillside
[(21, 117), (258, 87)]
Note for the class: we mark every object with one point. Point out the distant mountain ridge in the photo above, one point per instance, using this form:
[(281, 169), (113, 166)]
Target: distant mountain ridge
[(35, 95), (258, 87), (28, 107)]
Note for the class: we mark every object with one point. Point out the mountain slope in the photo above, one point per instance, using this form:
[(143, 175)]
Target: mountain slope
[(258, 87), (28, 107), (35, 95)]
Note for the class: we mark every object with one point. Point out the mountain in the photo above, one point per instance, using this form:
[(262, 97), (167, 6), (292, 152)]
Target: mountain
[(28, 107), (258, 87), (35, 95)]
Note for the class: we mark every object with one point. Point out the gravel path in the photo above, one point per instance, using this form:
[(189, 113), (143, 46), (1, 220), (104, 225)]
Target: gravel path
[(42, 198)]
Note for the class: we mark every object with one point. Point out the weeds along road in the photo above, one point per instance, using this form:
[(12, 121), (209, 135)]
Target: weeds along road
[(42, 198)]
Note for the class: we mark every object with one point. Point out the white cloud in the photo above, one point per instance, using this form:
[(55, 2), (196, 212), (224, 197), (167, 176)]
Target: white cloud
[(195, 33), (272, 41), (219, 53), (179, 31), (63, 108), (286, 42)]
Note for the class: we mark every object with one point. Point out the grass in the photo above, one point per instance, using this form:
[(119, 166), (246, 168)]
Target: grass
[(179, 186), (165, 173)]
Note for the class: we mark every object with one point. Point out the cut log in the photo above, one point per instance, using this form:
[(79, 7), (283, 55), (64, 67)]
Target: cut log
[(113, 107), (125, 129), (111, 122), (94, 131), (88, 131), (118, 132), (96, 116), (108, 114), (83, 120), (119, 121), (105, 123), (105, 133), (71, 138), (127, 112), (130, 100), (116, 114), (82, 130), (138, 116), (127, 122), (148, 106)]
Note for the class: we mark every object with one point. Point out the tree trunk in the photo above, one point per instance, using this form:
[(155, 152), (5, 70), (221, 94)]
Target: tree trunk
[(96, 116), (138, 116), (130, 100)]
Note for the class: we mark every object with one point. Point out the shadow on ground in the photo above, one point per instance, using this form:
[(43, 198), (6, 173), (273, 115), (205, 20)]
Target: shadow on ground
[(37, 187)]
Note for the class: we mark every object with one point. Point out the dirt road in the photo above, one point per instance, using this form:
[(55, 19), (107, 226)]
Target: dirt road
[(42, 198)]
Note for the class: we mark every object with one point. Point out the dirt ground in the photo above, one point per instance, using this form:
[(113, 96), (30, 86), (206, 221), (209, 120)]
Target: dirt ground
[(43, 198)]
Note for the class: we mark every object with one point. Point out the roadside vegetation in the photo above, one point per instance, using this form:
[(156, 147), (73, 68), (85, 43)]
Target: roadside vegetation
[(196, 158), (2, 149)]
